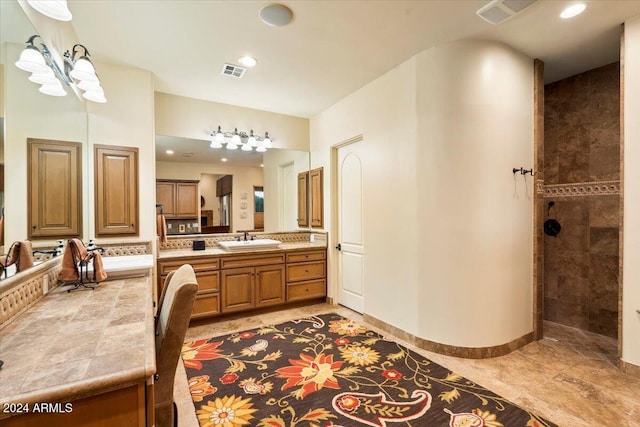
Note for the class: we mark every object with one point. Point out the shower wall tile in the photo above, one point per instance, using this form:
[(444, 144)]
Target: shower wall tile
[(603, 270), (604, 163), (604, 322), (604, 211), (582, 144), (604, 240), (573, 289)]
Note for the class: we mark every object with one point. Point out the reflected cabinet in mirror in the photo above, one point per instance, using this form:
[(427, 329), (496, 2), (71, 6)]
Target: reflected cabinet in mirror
[(55, 189), (236, 190)]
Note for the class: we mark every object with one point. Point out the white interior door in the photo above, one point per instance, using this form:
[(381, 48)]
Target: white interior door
[(350, 227)]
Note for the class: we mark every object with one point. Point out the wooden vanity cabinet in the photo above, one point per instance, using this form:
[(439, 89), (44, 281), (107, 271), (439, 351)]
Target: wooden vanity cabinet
[(259, 283), (235, 283), (179, 199), (207, 302), (116, 190), (54, 189), (317, 197), (306, 275)]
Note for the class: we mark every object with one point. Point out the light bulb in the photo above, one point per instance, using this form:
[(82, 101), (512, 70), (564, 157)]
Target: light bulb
[(246, 147), (44, 78), (267, 140), (95, 96), (31, 60), (215, 143), (55, 9), (83, 70), (53, 90)]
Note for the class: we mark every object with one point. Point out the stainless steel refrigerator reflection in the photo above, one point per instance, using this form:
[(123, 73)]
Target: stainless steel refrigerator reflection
[(225, 210)]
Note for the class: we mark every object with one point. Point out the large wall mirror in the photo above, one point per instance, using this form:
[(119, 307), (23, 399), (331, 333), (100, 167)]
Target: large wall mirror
[(30, 114), (260, 195)]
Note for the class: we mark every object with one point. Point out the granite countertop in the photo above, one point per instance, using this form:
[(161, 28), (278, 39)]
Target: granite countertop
[(72, 345), (218, 251)]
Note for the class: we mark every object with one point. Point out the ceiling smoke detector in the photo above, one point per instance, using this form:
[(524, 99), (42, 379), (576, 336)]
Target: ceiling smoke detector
[(233, 71), (498, 11), (276, 15)]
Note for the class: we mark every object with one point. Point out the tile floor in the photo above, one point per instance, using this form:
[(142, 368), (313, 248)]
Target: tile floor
[(568, 377)]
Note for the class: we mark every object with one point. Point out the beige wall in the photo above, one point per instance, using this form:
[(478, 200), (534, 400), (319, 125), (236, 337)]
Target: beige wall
[(195, 118), (277, 216), (631, 242), (439, 192), (244, 178), (384, 113), (475, 124), (126, 120), (31, 114)]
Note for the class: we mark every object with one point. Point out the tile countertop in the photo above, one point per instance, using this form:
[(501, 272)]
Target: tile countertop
[(217, 251), (73, 345)]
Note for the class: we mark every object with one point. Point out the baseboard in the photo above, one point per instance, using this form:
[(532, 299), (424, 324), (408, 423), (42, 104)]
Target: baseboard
[(451, 350), (630, 369)]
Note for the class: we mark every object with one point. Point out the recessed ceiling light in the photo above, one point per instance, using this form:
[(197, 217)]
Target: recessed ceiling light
[(224, 159), (169, 151), (247, 61), (276, 15), (261, 165), (573, 10)]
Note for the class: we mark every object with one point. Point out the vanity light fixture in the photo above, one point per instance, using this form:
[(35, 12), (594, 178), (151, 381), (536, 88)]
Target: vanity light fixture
[(246, 141), (54, 9), (573, 10), (46, 71)]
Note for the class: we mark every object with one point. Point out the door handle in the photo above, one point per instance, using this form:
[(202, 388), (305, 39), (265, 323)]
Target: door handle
[(339, 247)]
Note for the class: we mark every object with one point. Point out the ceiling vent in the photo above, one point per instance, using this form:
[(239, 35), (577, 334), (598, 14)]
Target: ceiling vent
[(498, 11), (233, 71)]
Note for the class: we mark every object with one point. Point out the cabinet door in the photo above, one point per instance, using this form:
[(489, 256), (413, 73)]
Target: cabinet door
[(166, 196), (270, 285), (55, 192), (187, 200), (116, 190), (317, 197), (237, 289), (303, 204)]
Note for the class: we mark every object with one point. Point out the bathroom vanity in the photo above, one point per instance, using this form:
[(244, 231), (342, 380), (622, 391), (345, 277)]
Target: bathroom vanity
[(230, 282), (75, 358)]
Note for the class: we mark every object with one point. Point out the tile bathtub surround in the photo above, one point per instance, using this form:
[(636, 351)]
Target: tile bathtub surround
[(550, 377), (581, 176)]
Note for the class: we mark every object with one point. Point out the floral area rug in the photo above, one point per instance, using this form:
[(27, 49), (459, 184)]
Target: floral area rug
[(330, 371)]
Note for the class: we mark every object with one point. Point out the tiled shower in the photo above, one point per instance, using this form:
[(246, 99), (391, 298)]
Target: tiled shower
[(581, 191)]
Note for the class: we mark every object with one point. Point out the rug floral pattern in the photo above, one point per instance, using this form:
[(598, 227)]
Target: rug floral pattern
[(330, 371)]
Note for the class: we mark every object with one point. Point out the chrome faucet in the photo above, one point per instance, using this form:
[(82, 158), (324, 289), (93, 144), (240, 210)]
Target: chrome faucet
[(246, 236)]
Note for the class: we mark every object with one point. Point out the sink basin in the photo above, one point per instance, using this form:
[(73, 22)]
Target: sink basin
[(249, 245)]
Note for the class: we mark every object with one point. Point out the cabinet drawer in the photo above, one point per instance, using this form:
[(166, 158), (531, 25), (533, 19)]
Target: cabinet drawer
[(205, 264), (208, 281), (306, 256), (306, 290), (305, 271), (206, 305), (252, 260)]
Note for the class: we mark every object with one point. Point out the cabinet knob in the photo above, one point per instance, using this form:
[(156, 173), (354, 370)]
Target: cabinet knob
[(306, 271)]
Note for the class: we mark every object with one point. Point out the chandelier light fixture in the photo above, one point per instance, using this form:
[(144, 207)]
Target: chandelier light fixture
[(240, 139), (45, 71)]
